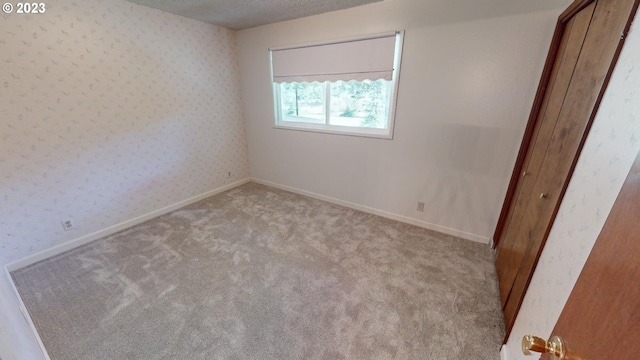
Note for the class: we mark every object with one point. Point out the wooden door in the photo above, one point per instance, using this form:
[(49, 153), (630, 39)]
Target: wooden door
[(601, 319), (586, 44)]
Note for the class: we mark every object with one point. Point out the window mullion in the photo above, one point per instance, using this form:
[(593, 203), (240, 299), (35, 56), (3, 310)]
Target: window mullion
[(327, 102), (278, 102)]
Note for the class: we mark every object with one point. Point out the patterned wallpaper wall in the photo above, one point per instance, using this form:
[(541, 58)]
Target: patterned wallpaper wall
[(110, 110)]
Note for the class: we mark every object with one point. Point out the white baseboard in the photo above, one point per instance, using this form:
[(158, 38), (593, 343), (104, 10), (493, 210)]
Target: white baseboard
[(386, 214), (69, 245), (26, 316), (72, 244), (503, 353)]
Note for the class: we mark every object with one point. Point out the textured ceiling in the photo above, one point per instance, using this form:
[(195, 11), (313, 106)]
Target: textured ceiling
[(242, 14)]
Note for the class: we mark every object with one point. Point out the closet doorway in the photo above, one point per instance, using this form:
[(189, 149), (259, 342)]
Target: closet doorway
[(587, 41)]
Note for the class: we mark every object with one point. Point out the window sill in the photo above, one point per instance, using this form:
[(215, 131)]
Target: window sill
[(338, 130)]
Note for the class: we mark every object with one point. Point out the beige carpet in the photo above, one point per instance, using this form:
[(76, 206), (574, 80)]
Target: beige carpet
[(260, 273)]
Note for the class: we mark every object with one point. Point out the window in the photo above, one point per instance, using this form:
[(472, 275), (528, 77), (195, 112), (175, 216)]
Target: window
[(346, 87)]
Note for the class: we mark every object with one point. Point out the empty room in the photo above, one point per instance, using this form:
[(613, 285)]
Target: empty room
[(308, 179)]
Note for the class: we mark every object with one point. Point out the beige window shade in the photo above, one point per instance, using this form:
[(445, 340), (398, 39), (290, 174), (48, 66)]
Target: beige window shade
[(362, 59)]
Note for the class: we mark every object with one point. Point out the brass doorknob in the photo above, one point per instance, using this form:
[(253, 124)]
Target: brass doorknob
[(555, 347)]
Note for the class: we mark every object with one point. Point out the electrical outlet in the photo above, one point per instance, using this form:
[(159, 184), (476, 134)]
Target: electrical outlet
[(67, 224), (420, 206)]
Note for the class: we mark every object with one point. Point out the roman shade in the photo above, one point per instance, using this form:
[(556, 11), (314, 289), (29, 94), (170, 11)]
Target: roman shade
[(369, 58)]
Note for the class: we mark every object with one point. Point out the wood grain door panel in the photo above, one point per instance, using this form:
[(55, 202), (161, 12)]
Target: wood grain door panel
[(511, 252)]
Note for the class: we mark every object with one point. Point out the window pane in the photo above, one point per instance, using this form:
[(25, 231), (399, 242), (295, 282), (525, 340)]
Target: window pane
[(302, 102), (360, 103)]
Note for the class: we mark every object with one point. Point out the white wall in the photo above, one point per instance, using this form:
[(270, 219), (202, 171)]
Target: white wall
[(110, 111), (466, 87), (607, 157)]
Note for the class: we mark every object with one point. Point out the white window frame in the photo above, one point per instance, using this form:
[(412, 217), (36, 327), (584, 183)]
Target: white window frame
[(327, 128)]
